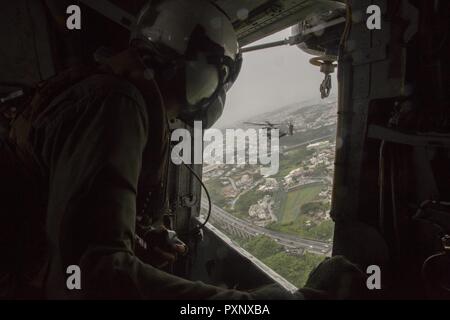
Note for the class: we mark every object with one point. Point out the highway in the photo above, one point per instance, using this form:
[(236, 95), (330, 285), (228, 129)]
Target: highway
[(288, 148), (286, 240)]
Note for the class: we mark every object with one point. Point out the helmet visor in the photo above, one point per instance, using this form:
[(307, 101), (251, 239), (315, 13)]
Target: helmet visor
[(202, 81)]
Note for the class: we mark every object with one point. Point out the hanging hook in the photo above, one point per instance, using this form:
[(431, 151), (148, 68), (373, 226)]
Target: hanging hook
[(327, 66)]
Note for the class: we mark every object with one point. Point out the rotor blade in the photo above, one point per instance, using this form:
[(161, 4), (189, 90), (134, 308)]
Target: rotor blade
[(255, 124)]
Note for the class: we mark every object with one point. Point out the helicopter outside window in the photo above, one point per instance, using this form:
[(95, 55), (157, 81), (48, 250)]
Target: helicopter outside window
[(281, 219)]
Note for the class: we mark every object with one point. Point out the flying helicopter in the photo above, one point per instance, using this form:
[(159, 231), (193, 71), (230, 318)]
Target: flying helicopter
[(267, 125)]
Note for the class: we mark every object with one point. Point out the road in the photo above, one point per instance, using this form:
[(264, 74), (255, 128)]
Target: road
[(286, 240), (233, 184)]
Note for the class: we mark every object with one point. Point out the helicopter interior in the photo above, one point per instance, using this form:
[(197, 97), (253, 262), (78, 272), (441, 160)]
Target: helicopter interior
[(391, 195)]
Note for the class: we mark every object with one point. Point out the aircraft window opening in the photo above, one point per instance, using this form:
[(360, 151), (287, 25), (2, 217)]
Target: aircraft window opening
[(282, 219)]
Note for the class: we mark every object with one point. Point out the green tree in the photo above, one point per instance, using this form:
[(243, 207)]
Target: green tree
[(295, 269), (262, 247)]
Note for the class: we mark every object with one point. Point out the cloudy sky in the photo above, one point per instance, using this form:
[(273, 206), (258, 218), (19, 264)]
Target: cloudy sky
[(272, 78)]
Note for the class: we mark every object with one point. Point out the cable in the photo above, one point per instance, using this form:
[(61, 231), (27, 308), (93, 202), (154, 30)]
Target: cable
[(394, 202), (381, 187), (425, 265), (348, 23), (198, 228)]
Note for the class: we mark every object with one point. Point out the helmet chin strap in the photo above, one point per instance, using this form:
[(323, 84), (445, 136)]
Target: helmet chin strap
[(112, 12)]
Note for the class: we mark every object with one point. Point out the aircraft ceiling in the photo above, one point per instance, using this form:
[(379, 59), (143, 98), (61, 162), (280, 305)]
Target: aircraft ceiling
[(255, 19)]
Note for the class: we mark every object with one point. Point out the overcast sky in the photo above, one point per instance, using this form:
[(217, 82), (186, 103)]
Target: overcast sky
[(272, 78)]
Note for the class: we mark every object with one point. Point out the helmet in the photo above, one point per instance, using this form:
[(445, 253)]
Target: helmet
[(194, 39)]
